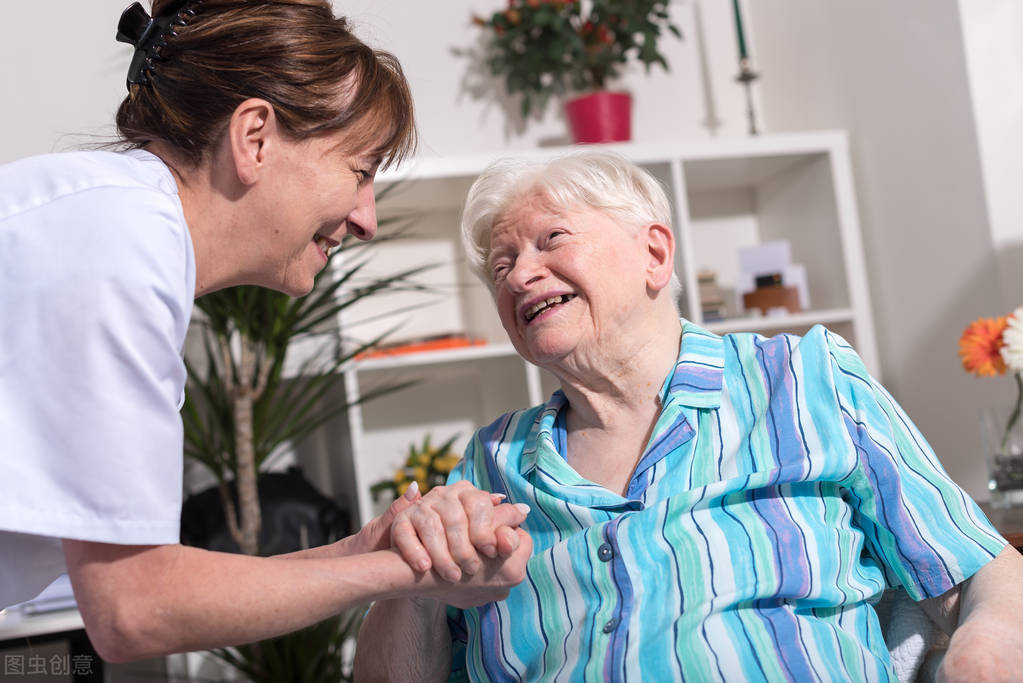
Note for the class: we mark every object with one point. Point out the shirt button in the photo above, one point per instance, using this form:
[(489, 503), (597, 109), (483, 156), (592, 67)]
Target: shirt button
[(604, 552), (610, 625)]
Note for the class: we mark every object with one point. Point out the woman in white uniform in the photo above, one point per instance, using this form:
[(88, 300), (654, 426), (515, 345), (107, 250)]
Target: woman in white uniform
[(253, 131)]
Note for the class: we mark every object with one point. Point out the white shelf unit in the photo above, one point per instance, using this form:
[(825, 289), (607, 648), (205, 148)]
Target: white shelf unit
[(726, 194)]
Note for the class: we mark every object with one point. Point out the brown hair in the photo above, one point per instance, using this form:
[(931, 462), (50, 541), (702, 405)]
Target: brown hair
[(293, 53)]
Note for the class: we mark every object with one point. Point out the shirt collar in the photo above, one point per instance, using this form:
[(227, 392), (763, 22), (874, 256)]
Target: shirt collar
[(696, 381), (698, 377)]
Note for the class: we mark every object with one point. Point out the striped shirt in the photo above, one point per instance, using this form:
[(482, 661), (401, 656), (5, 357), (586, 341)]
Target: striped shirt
[(782, 490)]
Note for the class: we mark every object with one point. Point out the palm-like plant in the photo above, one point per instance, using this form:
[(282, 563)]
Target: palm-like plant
[(241, 406), (315, 654)]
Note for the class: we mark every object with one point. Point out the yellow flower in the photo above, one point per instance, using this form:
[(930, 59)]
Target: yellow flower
[(419, 474), (446, 463), (403, 487), (399, 476), (980, 347)]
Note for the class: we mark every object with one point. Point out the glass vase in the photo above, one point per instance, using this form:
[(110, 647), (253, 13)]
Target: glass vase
[(1003, 453)]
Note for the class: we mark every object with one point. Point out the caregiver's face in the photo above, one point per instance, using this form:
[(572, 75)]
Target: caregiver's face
[(566, 279)]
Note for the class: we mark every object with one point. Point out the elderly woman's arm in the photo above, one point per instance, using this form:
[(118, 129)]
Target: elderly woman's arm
[(414, 635), (985, 617), (414, 631)]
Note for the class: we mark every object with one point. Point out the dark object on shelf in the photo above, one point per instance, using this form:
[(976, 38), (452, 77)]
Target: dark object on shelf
[(295, 516), (766, 298), (768, 280)]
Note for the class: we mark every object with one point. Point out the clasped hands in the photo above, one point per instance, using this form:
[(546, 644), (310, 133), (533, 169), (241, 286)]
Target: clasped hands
[(466, 537)]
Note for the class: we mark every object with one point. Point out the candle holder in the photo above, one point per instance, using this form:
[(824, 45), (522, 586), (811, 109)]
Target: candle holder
[(746, 76)]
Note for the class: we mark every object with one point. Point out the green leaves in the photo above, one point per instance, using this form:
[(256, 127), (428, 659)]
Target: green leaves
[(312, 655), (547, 48), (288, 407)]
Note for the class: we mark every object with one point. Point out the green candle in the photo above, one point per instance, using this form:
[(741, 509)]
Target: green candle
[(738, 29)]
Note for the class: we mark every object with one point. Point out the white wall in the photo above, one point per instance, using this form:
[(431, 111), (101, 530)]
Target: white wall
[(62, 92), (895, 75), (61, 74), (993, 38)]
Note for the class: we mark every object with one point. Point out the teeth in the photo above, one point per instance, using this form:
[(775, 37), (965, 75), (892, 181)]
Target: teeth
[(539, 306), (322, 243)]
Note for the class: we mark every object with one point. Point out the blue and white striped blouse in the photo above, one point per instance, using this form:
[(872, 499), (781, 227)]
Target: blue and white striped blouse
[(781, 492)]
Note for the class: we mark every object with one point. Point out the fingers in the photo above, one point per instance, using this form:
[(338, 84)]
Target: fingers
[(406, 540), (508, 514), (497, 578), (507, 541), (450, 527), (479, 510), (402, 503)]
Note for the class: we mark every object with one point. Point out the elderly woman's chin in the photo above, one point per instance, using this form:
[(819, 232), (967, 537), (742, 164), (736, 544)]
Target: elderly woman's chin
[(550, 343)]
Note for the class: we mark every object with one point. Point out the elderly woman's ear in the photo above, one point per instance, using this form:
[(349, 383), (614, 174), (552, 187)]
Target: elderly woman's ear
[(661, 249)]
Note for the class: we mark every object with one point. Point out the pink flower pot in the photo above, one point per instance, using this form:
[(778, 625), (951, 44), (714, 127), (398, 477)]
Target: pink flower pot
[(601, 116)]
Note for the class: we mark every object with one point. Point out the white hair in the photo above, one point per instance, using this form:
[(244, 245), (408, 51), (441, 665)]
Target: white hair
[(599, 180)]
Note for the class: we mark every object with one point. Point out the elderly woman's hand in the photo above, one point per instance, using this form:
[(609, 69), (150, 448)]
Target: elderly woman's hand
[(494, 578), (450, 526)]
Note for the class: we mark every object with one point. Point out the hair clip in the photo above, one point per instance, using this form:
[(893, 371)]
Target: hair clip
[(148, 35)]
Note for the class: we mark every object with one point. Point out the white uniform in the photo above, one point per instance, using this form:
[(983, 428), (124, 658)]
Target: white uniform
[(97, 278)]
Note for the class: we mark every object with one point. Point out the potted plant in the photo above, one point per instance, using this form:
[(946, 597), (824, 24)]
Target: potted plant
[(545, 48)]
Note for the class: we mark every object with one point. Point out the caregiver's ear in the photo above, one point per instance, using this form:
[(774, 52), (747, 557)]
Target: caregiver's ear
[(660, 243)]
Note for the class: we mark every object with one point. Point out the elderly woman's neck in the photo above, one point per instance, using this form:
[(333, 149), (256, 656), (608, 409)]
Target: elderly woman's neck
[(625, 385)]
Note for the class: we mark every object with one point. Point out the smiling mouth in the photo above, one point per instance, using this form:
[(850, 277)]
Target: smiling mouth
[(325, 244), (541, 306)]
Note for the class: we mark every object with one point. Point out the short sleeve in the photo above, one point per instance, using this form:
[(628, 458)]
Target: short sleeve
[(91, 376), (925, 532)]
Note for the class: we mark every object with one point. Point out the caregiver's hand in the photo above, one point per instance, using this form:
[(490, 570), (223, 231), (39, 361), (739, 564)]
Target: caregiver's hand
[(449, 527)]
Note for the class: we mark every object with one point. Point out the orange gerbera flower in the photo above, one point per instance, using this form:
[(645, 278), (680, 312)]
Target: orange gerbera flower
[(980, 346)]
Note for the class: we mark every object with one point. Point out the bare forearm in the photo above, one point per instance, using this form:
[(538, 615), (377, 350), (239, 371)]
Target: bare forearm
[(164, 599), (987, 644), (414, 634)]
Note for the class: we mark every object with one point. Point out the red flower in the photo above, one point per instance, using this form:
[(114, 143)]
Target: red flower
[(980, 347)]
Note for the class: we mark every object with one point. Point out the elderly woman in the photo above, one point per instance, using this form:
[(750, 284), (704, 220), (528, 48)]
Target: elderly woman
[(703, 506)]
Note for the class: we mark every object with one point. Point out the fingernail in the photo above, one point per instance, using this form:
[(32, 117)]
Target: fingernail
[(452, 575), (489, 550), (499, 496), (522, 507), (422, 565), (412, 490)]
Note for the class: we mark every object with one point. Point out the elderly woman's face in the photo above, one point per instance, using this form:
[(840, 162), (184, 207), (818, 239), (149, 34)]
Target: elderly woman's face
[(567, 281)]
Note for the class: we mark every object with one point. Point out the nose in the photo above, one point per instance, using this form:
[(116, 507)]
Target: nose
[(362, 221), (527, 270)]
